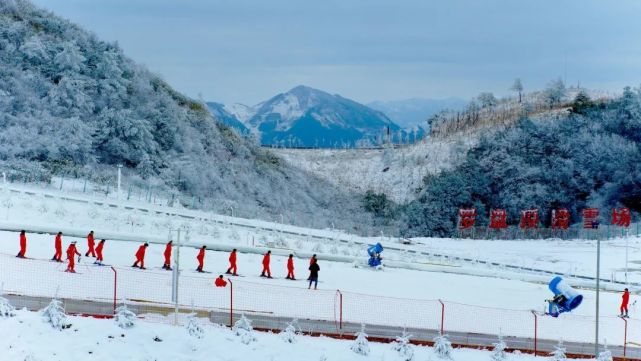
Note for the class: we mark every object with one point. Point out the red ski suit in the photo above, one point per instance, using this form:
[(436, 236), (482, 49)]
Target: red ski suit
[(71, 256), (232, 263), (290, 268), (266, 270), (201, 259), (220, 282), (99, 251), (625, 298), (91, 242), (58, 245), (167, 254), (23, 245), (140, 256)]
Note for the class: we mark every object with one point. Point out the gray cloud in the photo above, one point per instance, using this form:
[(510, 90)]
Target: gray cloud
[(247, 51)]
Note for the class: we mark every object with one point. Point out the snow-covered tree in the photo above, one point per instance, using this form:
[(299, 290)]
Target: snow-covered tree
[(124, 317), (555, 92), (243, 329), (6, 308), (403, 346), (289, 333), (360, 344), (517, 86), (498, 352), (54, 314), (605, 355), (559, 352), (487, 100), (442, 347), (194, 328)]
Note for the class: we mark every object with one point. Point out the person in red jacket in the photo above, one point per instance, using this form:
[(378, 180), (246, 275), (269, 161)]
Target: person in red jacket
[(220, 282), (91, 242), (232, 263), (58, 245), (201, 259), (23, 245), (140, 256), (290, 268), (71, 257), (167, 254), (99, 248), (266, 272), (313, 259), (625, 298)]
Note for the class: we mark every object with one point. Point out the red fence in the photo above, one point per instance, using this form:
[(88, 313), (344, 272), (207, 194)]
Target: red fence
[(150, 292)]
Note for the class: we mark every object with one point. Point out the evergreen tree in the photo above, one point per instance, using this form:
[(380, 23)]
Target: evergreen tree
[(124, 317), (361, 345), (443, 347), (54, 314)]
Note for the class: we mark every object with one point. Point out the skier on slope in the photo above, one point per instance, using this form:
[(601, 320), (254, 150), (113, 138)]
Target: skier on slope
[(71, 257), (23, 245), (625, 298), (140, 256), (99, 248), (91, 242), (167, 254), (232, 263), (201, 259), (290, 268), (266, 271), (58, 245), (313, 274), (220, 281)]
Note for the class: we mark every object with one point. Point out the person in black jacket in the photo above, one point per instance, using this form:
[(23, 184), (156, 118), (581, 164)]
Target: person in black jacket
[(313, 274)]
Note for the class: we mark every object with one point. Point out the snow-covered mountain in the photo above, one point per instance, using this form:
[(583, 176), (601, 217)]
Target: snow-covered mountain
[(222, 113), (413, 112), (307, 117)]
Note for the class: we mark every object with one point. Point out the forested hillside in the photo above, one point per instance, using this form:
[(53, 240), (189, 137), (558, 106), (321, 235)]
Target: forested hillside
[(74, 104), (589, 158)]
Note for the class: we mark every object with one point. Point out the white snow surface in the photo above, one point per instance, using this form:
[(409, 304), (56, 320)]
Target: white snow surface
[(27, 337), (397, 172)]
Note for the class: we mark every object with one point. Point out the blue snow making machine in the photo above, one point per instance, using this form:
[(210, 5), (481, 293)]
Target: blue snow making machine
[(374, 255), (566, 298)]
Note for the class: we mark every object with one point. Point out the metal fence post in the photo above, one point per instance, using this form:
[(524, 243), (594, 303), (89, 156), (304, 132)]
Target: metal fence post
[(625, 335), (115, 287), (536, 326), (231, 302), (442, 317)]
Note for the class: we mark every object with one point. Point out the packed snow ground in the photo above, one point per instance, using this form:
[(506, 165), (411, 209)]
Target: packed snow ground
[(462, 294), (23, 338)]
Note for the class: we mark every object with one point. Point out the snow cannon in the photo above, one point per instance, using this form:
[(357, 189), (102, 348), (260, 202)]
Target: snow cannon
[(375, 255), (565, 298)]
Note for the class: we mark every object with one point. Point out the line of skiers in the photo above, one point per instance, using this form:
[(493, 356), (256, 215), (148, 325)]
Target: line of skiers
[(96, 252)]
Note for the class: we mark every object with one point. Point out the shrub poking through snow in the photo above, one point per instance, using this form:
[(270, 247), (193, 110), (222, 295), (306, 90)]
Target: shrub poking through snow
[(559, 352), (403, 346), (243, 329), (6, 309), (289, 333), (55, 315), (605, 355), (498, 352), (194, 328), (443, 347), (361, 345), (124, 317)]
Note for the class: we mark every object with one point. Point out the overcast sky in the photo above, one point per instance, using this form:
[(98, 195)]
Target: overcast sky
[(247, 51)]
